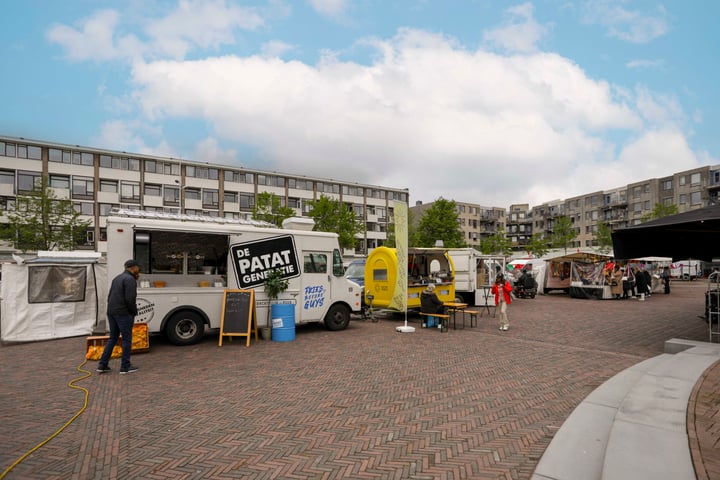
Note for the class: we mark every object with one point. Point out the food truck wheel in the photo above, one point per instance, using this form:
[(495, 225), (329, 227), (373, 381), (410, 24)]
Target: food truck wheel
[(184, 328), (337, 318)]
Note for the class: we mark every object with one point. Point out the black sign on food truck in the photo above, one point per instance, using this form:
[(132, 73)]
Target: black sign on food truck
[(252, 260)]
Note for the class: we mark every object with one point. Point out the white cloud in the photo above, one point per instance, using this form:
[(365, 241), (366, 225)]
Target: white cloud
[(194, 24), (329, 8), (657, 153), (209, 149), (520, 33), (275, 48), (645, 63), (199, 23), (628, 25), (94, 39), (427, 114)]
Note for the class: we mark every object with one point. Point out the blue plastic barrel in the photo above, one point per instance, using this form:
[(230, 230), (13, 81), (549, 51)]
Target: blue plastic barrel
[(283, 322)]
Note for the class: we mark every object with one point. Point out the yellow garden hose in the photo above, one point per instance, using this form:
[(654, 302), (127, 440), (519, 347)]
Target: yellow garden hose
[(85, 404)]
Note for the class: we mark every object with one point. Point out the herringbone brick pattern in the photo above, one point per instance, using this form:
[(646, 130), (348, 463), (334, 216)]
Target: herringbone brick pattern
[(364, 403)]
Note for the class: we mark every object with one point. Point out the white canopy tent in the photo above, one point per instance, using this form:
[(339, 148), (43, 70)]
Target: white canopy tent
[(52, 296)]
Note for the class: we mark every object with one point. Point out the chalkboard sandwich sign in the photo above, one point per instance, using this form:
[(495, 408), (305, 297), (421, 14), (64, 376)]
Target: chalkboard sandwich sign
[(239, 317)]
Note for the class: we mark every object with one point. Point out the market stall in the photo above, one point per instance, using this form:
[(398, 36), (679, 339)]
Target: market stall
[(55, 295)]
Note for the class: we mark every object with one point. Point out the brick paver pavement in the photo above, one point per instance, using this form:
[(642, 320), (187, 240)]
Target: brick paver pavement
[(364, 403)]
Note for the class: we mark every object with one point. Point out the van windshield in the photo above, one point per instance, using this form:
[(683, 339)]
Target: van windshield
[(355, 270)]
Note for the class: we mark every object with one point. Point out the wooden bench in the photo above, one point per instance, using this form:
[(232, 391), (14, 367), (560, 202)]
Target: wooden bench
[(441, 319), (473, 317)]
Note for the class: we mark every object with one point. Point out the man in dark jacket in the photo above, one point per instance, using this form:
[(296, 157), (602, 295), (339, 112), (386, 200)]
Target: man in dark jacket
[(121, 312), (429, 301)]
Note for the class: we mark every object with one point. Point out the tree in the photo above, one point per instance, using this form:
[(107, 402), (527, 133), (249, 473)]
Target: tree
[(563, 233), (660, 211), (538, 246), (390, 240), (268, 209), (334, 216), (496, 244), (440, 222), (41, 221), (603, 237)]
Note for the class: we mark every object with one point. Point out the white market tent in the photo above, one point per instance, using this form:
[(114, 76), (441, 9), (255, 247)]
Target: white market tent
[(56, 295)]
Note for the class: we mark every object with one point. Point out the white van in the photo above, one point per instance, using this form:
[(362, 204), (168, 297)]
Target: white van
[(187, 262)]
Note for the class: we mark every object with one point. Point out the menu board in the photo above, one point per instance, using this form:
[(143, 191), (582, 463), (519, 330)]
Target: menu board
[(239, 316)]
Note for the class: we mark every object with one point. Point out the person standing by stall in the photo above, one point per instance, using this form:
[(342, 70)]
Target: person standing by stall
[(501, 289), (121, 313), (666, 279), (641, 283), (616, 282)]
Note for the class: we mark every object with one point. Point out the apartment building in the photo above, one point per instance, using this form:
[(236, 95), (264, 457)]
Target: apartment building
[(630, 204), (97, 180), (476, 221), (618, 207)]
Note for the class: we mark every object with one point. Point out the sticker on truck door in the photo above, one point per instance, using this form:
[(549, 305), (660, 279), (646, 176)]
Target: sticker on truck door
[(253, 260)]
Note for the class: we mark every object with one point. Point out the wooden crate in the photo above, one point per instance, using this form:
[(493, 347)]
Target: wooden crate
[(95, 345)]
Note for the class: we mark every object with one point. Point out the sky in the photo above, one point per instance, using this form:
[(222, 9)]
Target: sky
[(478, 101)]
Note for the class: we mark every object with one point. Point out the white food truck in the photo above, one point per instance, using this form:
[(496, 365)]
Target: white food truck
[(187, 262), (475, 274)]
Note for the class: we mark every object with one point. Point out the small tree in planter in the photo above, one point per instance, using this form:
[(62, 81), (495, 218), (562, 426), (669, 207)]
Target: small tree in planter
[(274, 286)]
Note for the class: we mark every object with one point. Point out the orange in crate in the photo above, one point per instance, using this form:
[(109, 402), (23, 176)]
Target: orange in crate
[(140, 343)]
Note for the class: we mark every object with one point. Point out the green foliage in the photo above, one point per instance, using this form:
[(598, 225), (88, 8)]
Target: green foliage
[(603, 238), (496, 244), (41, 221), (275, 284), (334, 216), (563, 233), (538, 246), (268, 209), (439, 222), (660, 211)]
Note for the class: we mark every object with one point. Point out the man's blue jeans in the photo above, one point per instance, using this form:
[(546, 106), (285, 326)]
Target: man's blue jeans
[(119, 324)]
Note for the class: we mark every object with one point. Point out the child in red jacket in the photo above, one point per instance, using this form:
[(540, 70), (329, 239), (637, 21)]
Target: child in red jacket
[(502, 288)]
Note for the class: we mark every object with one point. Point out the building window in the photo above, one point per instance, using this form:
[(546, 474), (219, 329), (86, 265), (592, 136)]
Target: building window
[(83, 187), (230, 198), (247, 201), (210, 198), (153, 190), (695, 198), (7, 177), (192, 194), (84, 208), (695, 179), (130, 192), (120, 163), (300, 184), (667, 185), (60, 181), (171, 195), (28, 181), (682, 179), (104, 208), (683, 199), (201, 172), (82, 158), (34, 153), (110, 186), (169, 168), (7, 149), (238, 177)]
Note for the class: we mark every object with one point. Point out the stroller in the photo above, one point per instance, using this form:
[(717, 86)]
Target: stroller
[(526, 286)]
